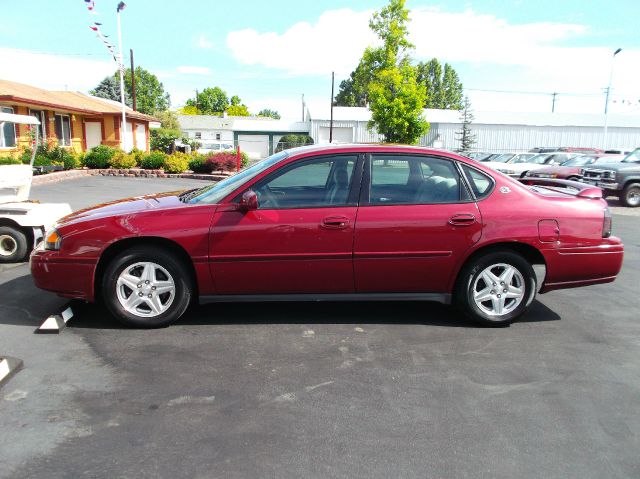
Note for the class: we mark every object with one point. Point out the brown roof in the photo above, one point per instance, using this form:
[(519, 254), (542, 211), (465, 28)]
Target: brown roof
[(67, 100)]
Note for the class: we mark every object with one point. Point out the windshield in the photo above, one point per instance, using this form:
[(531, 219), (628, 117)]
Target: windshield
[(632, 157), (214, 193), (579, 161), (503, 158), (538, 159), (522, 158)]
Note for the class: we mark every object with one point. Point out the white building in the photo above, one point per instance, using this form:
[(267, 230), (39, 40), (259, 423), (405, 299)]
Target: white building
[(494, 131)]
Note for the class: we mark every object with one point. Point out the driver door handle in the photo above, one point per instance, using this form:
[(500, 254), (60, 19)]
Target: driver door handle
[(464, 219), (335, 222)]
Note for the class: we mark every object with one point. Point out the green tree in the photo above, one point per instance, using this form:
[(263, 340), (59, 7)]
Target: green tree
[(168, 119), (238, 110), (466, 137), (396, 98), (150, 94), (109, 88), (353, 90), (235, 100), (210, 101), (266, 112), (443, 87)]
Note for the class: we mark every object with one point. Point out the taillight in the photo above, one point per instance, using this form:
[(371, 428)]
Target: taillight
[(607, 223)]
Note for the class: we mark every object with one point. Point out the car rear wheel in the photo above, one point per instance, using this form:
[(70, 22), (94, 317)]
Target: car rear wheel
[(146, 287), (631, 195), (496, 289), (13, 245)]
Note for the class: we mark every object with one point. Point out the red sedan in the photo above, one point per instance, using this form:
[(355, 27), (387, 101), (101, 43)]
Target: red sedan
[(358, 222), (570, 169)]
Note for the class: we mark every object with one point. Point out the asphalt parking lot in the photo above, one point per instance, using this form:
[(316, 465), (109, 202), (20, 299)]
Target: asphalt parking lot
[(352, 390)]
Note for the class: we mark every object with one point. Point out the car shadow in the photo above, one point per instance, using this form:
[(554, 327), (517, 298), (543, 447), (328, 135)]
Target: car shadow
[(357, 312)]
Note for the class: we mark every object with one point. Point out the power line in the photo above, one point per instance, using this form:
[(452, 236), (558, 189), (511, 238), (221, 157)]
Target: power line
[(546, 93)]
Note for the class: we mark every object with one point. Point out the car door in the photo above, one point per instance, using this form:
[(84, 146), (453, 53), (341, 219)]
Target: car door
[(416, 218), (299, 240)]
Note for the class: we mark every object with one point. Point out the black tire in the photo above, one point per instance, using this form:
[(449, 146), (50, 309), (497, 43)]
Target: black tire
[(14, 245), (469, 279), (163, 259), (631, 195)]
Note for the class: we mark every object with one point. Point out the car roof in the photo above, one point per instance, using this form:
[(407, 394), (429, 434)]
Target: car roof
[(370, 147)]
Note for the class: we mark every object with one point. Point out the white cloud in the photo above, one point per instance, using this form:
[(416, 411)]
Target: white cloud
[(334, 43), (53, 72), (203, 42), (530, 56), (193, 70)]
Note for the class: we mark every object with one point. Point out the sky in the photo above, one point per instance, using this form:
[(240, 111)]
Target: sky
[(511, 55)]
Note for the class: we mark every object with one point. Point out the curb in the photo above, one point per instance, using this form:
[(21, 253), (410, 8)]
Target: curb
[(132, 173), (56, 322), (9, 367)]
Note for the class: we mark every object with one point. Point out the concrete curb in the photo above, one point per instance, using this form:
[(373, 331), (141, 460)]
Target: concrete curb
[(9, 367), (131, 173), (56, 322)]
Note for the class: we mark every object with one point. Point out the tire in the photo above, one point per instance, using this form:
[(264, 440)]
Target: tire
[(474, 280), (631, 195), (14, 245), (573, 178), (131, 283)]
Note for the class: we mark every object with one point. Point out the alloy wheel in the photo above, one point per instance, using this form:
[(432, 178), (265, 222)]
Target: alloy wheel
[(145, 289), (498, 289)]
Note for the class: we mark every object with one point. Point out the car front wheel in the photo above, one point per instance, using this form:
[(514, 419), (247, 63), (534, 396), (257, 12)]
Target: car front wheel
[(631, 195), (496, 289), (146, 287), (13, 245)]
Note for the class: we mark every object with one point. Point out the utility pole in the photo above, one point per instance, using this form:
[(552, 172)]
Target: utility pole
[(123, 129), (197, 109), (553, 102), (133, 82), (606, 101), (303, 107), (331, 122)]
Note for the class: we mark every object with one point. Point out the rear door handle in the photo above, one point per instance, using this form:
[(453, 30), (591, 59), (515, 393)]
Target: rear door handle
[(463, 219), (335, 222)]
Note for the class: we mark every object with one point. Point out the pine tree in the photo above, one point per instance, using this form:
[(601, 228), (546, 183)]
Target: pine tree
[(466, 137)]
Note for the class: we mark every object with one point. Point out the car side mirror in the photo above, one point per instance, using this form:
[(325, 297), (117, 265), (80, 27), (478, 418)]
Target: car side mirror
[(249, 201)]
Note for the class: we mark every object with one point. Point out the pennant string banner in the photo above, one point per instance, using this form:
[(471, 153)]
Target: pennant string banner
[(96, 28)]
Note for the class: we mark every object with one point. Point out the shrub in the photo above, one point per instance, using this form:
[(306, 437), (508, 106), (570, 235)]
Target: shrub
[(9, 160), (222, 162), (161, 139), (122, 160), (99, 156), (245, 159), (138, 155), (176, 163), (153, 161), (197, 164)]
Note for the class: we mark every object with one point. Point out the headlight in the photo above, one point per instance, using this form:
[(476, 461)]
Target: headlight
[(610, 174), (52, 240), (507, 172)]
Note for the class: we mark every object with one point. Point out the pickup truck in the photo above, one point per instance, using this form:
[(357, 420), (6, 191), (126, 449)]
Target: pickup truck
[(619, 179)]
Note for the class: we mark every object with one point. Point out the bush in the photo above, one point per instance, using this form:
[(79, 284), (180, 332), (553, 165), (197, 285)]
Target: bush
[(197, 164), (138, 155), (221, 162), (122, 160), (99, 157), (176, 163), (9, 160), (154, 161), (245, 159), (161, 139)]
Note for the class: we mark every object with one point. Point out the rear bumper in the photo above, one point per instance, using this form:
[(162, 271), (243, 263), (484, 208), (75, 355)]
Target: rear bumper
[(67, 277), (583, 266)]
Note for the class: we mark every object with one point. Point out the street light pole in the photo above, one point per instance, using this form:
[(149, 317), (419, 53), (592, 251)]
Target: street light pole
[(123, 130), (606, 101)]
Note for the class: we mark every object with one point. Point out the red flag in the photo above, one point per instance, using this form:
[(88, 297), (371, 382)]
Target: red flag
[(95, 29)]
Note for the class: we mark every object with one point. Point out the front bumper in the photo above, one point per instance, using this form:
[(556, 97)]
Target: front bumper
[(67, 277), (600, 183)]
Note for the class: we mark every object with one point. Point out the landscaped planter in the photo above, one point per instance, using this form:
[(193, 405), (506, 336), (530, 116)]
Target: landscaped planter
[(130, 173)]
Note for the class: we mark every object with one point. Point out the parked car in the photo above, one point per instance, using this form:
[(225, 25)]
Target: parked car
[(431, 225), (571, 169), (520, 165), (214, 147), (619, 179), (477, 155), (567, 149)]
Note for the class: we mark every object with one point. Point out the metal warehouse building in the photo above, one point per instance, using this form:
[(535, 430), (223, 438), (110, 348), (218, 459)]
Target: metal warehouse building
[(494, 131)]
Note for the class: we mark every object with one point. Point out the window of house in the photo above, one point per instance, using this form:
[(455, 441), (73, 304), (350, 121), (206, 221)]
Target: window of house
[(42, 127), (63, 130), (198, 135), (315, 183), (217, 136), (399, 179), (8, 133)]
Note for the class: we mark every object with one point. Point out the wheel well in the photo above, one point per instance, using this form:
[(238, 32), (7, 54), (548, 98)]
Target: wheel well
[(119, 246), (27, 230), (631, 182), (528, 252)]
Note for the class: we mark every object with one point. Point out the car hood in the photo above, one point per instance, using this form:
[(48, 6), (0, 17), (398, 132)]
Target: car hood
[(559, 169), (126, 206), (614, 166)]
